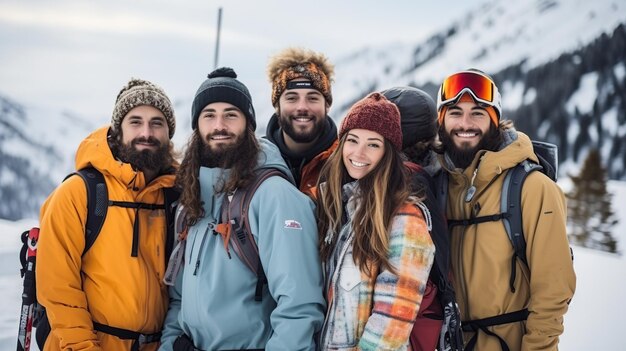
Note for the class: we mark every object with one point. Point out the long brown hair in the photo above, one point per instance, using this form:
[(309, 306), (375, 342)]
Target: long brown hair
[(381, 194), (241, 171)]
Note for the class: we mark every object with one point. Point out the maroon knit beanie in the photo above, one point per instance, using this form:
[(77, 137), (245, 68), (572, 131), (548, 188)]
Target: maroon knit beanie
[(375, 113)]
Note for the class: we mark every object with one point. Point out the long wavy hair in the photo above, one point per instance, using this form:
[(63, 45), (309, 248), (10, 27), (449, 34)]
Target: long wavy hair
[(382, 192), (241, 171)]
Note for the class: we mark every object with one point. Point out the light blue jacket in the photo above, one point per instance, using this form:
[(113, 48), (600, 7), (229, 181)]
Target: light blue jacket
[(213, 298)]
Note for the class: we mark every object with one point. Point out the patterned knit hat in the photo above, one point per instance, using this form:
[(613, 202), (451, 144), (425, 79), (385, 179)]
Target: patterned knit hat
[(139, 92), (294, 63), (377, 114), (222, 86)]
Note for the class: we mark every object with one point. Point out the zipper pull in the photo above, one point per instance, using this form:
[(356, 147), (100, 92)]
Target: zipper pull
[(471, 191)]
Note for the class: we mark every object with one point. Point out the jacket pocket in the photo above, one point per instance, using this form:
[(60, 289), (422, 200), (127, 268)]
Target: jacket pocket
[(343, 333)]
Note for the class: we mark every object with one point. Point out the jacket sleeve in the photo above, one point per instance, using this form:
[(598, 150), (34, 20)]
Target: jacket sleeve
[(60, 247), (287, 241), (397, 297), (552, 277), (171, 326)]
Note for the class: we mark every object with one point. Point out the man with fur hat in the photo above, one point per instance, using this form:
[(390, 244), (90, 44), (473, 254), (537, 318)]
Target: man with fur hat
[(300, 127), (217, 302), (111, 296), (504, 301)]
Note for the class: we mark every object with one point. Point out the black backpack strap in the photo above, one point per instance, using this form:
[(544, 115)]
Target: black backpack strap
[(511, 201), (482, 325), (97, 203), (237, 215), (171, 196), (139, 339)]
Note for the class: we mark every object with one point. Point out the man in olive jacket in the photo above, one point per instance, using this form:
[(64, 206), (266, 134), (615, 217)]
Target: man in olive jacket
[(523, 310)]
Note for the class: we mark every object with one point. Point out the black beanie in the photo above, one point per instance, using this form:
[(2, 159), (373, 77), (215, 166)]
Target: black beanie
[(222, 86), (418, 114)]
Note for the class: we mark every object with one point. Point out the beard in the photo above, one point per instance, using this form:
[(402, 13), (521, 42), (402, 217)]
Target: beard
[(463, 156), (145, 160), (300, 135), (223, 155)]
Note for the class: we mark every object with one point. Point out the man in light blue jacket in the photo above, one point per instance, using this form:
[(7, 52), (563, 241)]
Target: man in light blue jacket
[(212, 301)]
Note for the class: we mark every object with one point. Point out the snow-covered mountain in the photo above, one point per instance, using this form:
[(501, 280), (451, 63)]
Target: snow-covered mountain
[(36, 153), (560, 65)]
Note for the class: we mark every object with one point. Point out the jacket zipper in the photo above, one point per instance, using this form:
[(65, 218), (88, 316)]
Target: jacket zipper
[(333, 284)]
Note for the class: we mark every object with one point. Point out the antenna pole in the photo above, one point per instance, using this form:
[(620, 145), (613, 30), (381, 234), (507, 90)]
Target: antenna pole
[(217, 41)]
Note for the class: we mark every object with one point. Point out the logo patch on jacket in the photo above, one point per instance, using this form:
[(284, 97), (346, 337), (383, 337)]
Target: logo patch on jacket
[(293, 224)]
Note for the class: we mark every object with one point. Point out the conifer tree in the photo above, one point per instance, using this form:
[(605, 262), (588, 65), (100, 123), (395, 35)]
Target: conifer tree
[(590, 216)]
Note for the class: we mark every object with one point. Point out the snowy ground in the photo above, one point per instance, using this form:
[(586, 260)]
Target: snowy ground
[(592, 323)]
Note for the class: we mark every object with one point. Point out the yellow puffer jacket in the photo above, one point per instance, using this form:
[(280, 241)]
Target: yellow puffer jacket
[(106, 285), (482, 253)]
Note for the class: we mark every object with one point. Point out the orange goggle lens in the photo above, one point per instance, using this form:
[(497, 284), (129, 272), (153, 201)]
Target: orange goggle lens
[(481, 86)]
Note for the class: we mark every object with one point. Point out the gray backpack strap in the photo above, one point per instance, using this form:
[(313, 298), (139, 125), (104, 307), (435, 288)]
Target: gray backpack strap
[(235, 211)]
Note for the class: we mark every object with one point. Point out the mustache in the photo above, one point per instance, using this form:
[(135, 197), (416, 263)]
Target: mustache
[(463, 130), (149, 140)]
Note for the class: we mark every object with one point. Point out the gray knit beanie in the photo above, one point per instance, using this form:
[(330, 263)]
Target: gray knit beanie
[(222, 86), (418, 114), (139, 92)]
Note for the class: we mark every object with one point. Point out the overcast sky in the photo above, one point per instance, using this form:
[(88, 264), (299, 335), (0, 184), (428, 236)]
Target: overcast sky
[(75, 55)]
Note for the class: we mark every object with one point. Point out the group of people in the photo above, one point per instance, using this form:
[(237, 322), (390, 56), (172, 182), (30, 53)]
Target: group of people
[(345, 237)]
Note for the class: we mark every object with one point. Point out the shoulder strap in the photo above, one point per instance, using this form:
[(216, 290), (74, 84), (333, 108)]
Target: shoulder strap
[(511, 202), (170, 196), (97, 203), (236, 213)]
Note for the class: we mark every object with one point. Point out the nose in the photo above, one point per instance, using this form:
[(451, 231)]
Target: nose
[(466, 121), (146, 130), (302, 106), (220, 123)]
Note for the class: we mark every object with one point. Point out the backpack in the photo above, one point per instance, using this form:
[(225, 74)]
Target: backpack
[(32, 314), (438, 322), (511, 215), (234, 220)]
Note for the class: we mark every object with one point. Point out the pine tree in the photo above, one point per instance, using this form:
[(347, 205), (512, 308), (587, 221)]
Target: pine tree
[(590, 216)]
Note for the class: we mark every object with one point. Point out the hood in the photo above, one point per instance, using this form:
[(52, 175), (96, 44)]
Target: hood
[(270, 157), (516, 148), (94, 151), (328, 137)]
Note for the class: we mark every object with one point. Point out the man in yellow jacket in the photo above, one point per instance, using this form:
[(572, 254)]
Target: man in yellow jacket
[(500, 308), (112, 297)]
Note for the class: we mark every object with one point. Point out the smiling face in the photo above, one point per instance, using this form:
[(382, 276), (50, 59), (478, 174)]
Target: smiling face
[(145, 128), (301, 114), (466, 124), (221, 125), (362, 151)]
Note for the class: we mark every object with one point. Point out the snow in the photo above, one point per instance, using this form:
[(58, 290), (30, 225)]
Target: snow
[(585, 96), (593, 321), (512, 95)]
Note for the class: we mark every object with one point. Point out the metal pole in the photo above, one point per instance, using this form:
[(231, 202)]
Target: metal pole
[(217, 41)]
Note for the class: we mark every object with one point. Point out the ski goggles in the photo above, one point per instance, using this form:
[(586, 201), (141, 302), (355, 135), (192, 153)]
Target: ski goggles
[(479, 86)]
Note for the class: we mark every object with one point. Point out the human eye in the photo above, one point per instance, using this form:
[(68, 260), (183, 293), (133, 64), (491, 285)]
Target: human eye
[(454, 113), (232, 115), (351, 140), (479, 113), (374, 145)]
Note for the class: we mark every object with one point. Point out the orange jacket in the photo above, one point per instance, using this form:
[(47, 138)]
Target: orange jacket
[(106, 285), (311, 171)]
